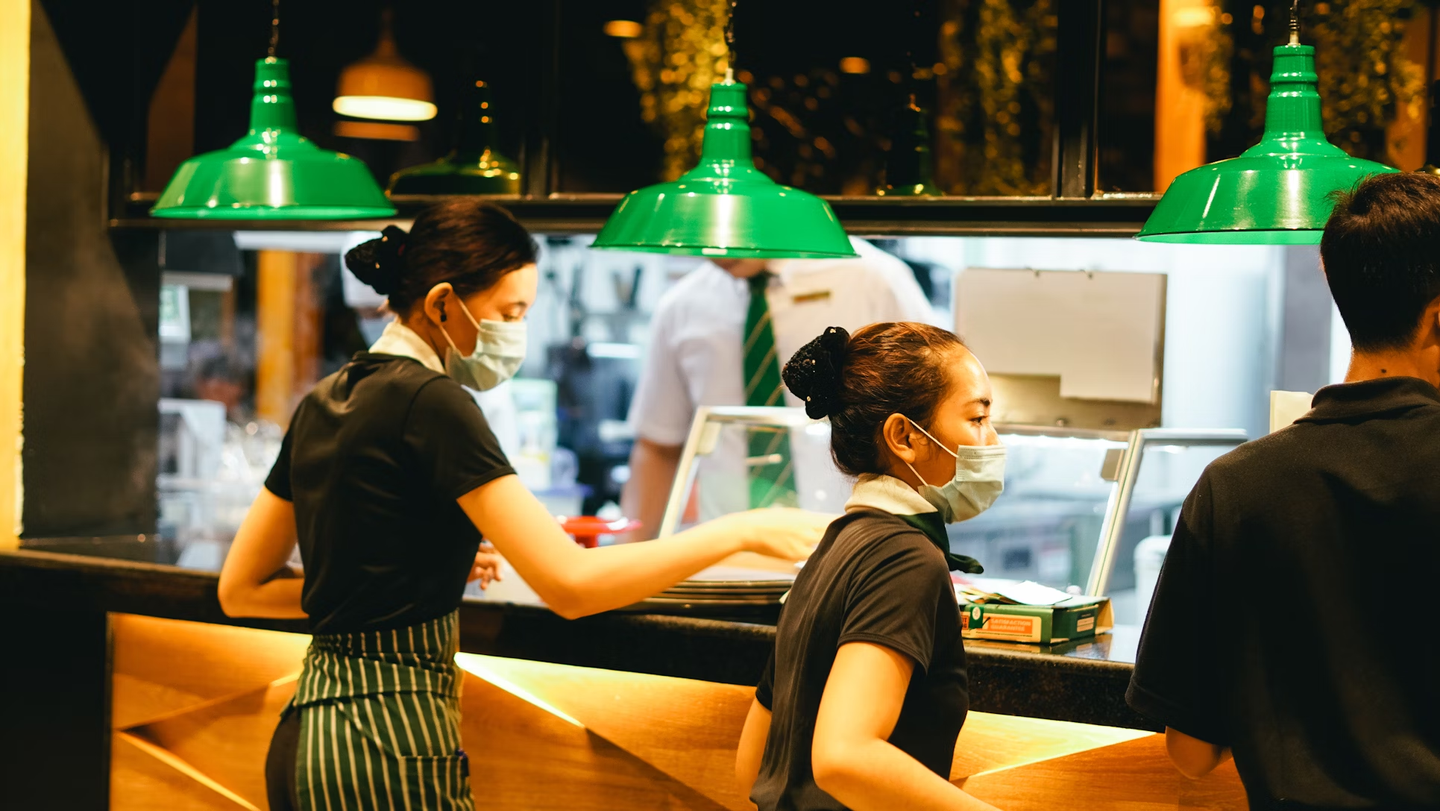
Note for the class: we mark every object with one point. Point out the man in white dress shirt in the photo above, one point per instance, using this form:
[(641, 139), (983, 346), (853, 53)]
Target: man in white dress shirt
[(697, 357)]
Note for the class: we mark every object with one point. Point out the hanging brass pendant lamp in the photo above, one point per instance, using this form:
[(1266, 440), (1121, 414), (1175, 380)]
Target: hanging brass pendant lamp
[(474, 166), (383, 86)]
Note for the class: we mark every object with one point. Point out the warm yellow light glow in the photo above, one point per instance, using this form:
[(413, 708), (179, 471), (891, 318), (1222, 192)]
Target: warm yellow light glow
[(377, 130), (14, 147), (384, 86), (475, 665), (623, 29), (385, 108), (854, 64)]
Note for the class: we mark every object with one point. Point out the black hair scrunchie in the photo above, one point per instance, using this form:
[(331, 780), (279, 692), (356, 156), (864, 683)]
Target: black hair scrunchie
[(380, 262), (813, 374)]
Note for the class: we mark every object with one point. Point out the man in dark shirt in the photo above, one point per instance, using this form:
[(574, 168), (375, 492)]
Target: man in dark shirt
[(1292, 619)]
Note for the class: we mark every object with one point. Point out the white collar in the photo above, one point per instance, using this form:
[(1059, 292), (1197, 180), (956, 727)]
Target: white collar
[(887, 494), (400, 340)]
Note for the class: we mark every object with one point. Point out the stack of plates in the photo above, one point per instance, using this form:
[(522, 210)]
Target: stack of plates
[(722, 587)]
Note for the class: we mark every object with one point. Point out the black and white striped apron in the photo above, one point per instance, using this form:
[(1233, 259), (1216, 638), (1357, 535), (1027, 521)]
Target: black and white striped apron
[(379, 722)]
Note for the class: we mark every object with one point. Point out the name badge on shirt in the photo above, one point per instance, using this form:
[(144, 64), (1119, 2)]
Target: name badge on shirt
[(811, 297)]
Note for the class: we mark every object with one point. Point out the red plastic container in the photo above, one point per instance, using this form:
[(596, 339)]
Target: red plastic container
[(587, 529)]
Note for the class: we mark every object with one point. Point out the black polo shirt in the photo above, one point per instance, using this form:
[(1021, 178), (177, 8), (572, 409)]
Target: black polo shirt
[(873, 578), (1295, 615), (374, 459)]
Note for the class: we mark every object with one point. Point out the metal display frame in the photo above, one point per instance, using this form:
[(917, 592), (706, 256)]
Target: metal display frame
[(710, 420), (1118, 507)]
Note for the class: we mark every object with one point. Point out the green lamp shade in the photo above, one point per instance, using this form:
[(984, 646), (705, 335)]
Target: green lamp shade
[(1278, 191), (272, 173), (725, 207), (473, 166), (457, 173)]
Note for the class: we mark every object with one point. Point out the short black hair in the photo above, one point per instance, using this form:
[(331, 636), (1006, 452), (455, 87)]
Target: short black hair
[(1381, 253)]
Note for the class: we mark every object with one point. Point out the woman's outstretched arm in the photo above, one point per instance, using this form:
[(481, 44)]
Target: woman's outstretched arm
[(577, 582)]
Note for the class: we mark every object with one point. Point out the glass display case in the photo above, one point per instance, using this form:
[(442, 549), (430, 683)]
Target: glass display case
[(1086, 510)]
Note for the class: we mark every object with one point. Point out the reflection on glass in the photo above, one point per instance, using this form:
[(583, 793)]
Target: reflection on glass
[(1066, 495), (1166, 475), (724, 471), (1046, 526)]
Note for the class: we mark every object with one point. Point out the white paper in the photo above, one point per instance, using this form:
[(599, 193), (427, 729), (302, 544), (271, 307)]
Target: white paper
[(1287, 407), (1031, 593)]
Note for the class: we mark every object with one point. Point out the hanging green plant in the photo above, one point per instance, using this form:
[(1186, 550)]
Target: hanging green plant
[(678, 55), (996, 98), (1366, 78), (1206, 49)]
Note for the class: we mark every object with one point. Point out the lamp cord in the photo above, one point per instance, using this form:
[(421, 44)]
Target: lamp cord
[(916, 15), (1294, 21), (729, 43), (274, 26)]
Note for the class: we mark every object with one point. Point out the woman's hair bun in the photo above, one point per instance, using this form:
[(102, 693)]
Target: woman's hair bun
[(813, 374), (380, 263)]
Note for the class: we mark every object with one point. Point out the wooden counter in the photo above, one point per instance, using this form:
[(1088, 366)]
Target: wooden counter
[(135, 690)]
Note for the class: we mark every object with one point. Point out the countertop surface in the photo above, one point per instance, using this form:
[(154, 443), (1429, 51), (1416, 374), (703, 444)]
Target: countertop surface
[(1080, 681)]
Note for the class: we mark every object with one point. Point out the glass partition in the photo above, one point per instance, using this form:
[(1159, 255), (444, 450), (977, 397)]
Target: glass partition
[(1047, 525), (1165, 470), (1083, 510)]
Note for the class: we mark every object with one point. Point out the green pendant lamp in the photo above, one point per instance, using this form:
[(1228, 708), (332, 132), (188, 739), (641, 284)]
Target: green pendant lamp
[(272, 173), (725, 207), (473, 166), (1278, 191)]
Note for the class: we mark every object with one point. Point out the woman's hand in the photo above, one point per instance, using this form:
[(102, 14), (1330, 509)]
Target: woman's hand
[(487, 566), (779, 532)]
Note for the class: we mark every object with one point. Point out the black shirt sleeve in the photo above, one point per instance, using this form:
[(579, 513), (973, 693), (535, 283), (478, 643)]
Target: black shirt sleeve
[(278, 482), (1174, 680), (893, 596), (450, 438), (765, 690)]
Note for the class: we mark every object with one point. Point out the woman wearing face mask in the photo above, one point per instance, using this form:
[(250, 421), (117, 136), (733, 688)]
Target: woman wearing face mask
[(387, 479), (865, 694)]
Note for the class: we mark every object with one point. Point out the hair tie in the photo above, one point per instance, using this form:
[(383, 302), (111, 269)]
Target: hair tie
[(813, 374), (378, 262)]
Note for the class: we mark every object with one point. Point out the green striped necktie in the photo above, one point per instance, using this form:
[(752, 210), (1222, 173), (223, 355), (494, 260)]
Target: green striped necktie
[(771, 473)]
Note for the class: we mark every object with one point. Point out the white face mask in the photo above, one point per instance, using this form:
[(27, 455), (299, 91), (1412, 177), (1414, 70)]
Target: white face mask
[(499, 351), (979, 480)]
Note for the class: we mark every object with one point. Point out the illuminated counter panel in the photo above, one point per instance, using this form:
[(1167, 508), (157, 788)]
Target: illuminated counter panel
[(194, 705)]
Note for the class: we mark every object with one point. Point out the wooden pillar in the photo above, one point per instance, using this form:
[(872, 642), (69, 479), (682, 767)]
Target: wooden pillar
[(1179, 104), (275, 334), (288, 332), (1405, 136), (307, 339), (14, 168)]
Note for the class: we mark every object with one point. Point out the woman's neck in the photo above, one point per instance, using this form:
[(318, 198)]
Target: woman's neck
[(428, 332)]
